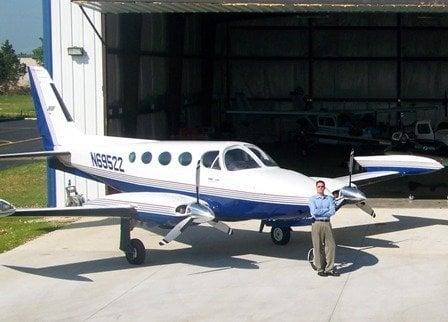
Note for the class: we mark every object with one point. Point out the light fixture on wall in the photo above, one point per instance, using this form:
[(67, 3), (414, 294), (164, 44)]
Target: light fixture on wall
[(75, 51)]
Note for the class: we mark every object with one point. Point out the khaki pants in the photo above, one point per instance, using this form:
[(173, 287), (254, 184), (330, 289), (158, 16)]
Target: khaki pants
[(324, 245)]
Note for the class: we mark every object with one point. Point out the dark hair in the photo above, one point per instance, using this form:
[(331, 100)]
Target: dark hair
[(320, 181)]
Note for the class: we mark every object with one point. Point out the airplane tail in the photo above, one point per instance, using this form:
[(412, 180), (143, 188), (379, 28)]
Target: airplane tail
[(55, 123)]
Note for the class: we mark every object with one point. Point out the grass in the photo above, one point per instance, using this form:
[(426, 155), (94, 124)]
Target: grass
[(24, 186), (12, 106)]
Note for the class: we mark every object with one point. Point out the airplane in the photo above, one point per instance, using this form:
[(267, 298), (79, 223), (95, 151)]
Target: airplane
[(176, 184)]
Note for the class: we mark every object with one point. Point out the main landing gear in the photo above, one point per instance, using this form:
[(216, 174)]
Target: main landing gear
[(280, 235), (133, 248)]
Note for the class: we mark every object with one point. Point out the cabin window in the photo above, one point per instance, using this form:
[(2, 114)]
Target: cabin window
[(264, 157), (165, 158), (209, 157), (146, 157), (132, 157), (237, 159), (185, 158)]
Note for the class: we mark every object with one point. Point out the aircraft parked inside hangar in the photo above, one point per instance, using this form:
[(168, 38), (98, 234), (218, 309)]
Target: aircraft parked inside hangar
[(160, 181)]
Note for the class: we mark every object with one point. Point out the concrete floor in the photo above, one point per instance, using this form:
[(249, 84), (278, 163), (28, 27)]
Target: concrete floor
[(393, 268)]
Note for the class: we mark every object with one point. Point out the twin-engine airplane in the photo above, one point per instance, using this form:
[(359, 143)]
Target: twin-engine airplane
[(176, 184)]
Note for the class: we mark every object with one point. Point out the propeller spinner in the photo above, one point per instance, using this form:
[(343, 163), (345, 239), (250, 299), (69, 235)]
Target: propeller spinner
[(197, 213)]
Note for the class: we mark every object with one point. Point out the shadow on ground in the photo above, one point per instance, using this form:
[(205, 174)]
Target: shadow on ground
[(214, 251)]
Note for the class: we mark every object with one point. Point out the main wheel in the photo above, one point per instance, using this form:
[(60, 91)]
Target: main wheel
[(137, 253), (280, 235)]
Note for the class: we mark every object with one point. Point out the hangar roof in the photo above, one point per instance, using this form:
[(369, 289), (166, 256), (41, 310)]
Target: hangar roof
[(147, 6)]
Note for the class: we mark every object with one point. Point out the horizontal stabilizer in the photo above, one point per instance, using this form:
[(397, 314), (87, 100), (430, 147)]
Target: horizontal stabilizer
[(34, 155), (85, 211)]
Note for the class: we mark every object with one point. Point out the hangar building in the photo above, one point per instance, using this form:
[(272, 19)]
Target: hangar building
[(203, 68)]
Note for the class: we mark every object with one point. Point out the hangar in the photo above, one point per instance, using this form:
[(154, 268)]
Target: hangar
[(202, 69)]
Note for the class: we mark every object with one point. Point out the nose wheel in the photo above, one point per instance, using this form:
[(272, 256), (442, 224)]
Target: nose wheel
[(280, 235)]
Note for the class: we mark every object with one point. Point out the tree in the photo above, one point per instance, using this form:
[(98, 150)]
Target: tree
[(10, 68), (38, 53)]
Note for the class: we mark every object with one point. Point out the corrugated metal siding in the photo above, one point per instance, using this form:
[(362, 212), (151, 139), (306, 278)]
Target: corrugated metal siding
[(80, 80)]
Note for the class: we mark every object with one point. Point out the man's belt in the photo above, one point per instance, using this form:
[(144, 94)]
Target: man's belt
[(323, 220)]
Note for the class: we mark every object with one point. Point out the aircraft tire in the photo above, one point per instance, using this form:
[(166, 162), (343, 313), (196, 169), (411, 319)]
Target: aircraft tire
[(138, 253), (280, 235)]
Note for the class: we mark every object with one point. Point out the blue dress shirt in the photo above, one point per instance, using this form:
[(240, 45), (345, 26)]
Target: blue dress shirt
[(322, 207)]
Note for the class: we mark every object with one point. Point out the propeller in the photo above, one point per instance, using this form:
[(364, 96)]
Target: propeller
[(197, 213), (198, 179), (176, 231), (366, 208), (351, 194)]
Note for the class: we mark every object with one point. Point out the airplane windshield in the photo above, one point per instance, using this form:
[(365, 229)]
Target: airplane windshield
[(237, 159), (264, 157)]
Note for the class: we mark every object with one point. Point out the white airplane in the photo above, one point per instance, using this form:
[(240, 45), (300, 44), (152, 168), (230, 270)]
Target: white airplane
[(175, 184)]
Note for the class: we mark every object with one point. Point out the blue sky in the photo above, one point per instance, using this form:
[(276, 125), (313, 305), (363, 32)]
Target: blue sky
[(21, 23)]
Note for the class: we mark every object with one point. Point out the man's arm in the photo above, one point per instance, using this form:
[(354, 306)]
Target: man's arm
[(317, 212)]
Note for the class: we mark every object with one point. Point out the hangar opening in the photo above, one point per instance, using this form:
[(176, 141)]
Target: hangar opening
[(259, 72)]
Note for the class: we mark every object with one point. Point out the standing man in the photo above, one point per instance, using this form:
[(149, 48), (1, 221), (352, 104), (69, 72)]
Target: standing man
[(322, 207)]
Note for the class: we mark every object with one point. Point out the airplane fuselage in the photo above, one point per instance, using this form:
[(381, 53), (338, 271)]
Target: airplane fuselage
[(248, 188)]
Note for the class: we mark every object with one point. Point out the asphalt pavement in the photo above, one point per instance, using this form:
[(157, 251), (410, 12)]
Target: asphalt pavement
[(16, 137)]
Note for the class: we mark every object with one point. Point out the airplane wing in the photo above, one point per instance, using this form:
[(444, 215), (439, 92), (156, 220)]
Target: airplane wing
[(34, 155), (384, 167), (82, 211)]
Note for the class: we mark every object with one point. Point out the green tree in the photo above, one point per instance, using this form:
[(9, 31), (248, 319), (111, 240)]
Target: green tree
[(38, 53), (10, 68)]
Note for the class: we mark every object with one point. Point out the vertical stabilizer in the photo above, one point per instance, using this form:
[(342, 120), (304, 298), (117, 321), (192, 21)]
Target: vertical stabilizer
[(55, 123)]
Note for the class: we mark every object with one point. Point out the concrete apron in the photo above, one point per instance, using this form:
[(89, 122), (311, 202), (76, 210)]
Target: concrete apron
[(394, 267)]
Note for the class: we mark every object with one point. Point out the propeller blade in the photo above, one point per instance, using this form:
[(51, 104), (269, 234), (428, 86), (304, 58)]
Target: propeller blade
[(221, 226), (350, 167), (176, 231), (366, 208), (198, 179)]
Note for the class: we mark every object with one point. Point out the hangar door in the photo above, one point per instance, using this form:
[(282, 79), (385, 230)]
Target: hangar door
[(204, 69)]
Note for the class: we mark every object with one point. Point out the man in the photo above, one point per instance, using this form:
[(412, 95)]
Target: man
[(322, 207)]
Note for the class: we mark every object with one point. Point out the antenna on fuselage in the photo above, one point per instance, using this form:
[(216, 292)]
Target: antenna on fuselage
[(198, 179)]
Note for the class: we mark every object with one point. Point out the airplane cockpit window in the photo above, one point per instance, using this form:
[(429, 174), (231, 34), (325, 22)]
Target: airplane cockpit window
[(264, 157), (165, 158), (209, 157), (146, 157), (237, 159), (185, 158)]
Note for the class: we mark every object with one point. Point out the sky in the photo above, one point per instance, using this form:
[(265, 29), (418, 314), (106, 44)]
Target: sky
[(21, 23)]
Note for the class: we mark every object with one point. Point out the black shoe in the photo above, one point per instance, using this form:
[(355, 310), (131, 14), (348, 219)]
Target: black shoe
[(332, 273), (323, 274)]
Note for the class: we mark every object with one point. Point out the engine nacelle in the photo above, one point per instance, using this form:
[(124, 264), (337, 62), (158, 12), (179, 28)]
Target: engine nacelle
[(200, 213)]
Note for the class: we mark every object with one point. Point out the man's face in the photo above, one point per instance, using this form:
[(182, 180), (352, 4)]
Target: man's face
[(320, 188)]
